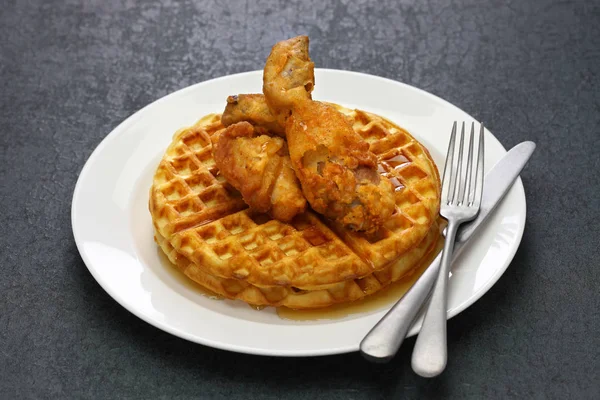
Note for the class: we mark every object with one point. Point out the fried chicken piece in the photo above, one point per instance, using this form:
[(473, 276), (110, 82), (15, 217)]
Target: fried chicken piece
[(252, 108), (289, 76), (337, 171), (260, 168)]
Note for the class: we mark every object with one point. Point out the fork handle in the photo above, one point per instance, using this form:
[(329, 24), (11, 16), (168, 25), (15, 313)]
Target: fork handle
[(430, 353)]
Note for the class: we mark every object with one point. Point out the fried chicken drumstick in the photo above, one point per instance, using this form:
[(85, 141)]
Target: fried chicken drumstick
[(337, 171), (289, 76), (260, 168)]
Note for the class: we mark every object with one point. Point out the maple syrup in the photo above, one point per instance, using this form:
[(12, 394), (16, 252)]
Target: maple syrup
[(396, 162), (398, 186), (387, 165)]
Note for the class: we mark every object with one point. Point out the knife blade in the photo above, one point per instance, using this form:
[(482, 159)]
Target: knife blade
[(385, 338)]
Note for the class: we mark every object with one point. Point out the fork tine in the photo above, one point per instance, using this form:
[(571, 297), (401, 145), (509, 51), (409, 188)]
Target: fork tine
[(466, 188), (478, 191), (458, 175), (447, 178)]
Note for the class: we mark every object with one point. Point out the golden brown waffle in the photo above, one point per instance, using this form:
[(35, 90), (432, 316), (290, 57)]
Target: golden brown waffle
[(293, 297), (204, 227), (187, 189), (408, 165)]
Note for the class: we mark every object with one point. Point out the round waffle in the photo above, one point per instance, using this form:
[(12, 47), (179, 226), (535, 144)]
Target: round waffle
[(205, 228)]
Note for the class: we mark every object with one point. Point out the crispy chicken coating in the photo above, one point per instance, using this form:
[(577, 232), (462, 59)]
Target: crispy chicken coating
[(337, 171), (289, 76), (252, 108), (260, 168)]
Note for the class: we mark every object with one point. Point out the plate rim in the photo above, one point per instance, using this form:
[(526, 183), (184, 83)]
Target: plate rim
[(123, 125)]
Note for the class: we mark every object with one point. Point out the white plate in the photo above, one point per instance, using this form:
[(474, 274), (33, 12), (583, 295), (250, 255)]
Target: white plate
[(113, 229)]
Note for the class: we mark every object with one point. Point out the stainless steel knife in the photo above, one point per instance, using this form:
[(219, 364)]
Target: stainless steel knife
[(384, 340)]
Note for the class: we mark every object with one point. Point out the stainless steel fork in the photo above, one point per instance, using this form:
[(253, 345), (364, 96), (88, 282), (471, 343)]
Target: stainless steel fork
[(461, 198)]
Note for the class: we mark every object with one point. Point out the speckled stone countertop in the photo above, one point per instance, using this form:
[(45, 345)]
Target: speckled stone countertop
[(70, 71)]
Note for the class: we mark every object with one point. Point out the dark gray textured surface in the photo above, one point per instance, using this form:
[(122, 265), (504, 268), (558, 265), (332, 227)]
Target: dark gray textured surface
[(71, 71)]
